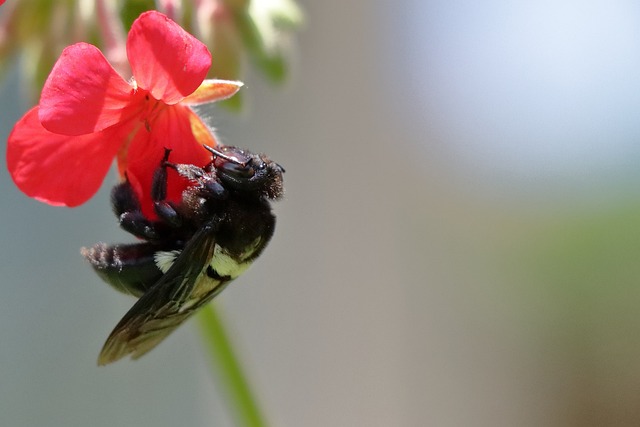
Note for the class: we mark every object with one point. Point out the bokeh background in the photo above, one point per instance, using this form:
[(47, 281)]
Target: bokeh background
[(459, 243)]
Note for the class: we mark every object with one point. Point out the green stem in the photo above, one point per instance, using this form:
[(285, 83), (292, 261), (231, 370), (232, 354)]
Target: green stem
[(227, 367)]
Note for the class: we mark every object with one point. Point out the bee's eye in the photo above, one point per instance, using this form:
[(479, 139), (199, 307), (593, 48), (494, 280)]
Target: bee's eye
[(243, 171), (236, 170)]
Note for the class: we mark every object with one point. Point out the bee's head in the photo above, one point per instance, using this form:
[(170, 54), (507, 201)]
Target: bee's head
[(242, 170)]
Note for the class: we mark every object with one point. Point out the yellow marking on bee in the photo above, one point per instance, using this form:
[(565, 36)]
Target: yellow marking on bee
[(165, 259)]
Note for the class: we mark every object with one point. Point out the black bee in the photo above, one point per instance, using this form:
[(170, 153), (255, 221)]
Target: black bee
[(193, 250)]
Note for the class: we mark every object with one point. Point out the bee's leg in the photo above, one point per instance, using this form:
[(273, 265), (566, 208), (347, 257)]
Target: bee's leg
[(124, 199), (193, 173), (159, 182), (127, 208), (164, 209), (131, 268)]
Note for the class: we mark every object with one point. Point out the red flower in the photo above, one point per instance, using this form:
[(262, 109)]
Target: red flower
[(61, 150)]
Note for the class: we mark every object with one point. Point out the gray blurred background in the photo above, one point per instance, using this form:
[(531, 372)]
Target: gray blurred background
[(459, 244)]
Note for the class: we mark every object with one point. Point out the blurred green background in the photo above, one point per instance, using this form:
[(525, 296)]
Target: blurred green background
[(458, 245)]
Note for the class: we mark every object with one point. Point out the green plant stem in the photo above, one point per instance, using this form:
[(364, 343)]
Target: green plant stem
[(227, 367)]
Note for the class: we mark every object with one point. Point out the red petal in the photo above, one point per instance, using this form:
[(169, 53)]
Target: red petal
[(174, 128), (166, 60), (83, 94), (57, 169)]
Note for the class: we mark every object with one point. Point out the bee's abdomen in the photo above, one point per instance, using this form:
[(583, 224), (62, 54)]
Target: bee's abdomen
[(128, 268)]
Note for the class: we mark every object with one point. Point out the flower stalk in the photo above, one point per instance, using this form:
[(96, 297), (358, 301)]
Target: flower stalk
[(226, 366)]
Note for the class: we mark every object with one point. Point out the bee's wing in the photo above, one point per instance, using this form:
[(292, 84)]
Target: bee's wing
[(168, 303)]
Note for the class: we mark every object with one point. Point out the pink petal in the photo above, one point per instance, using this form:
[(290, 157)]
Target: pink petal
[(213, 90), (166, 60), (83, 93), (58, 169), (174, 128)]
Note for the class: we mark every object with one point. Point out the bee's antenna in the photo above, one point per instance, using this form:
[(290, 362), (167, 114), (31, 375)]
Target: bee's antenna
[(222, 155)]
